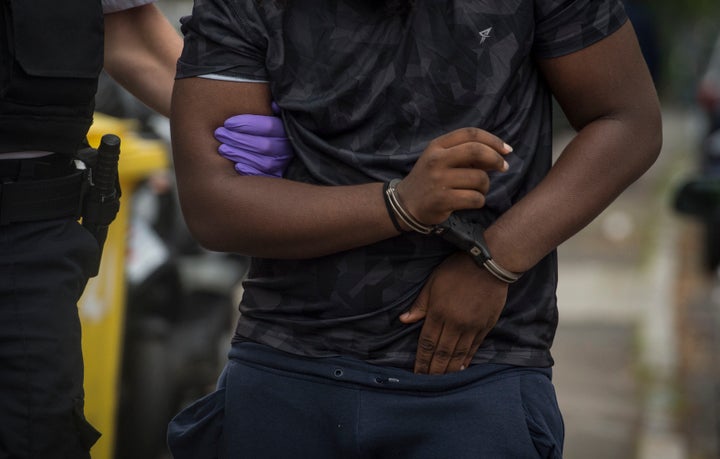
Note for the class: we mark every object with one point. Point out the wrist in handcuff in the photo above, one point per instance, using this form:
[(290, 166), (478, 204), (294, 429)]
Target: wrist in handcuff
[(398, 213), (472, 242)]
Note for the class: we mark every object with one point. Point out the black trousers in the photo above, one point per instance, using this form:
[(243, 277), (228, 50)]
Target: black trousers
[(44, 267)]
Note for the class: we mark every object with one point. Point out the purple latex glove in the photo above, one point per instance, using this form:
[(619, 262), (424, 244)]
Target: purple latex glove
[(257, 144)]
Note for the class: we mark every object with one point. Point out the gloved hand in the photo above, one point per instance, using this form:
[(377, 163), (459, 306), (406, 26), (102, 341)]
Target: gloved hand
[(257, 144)]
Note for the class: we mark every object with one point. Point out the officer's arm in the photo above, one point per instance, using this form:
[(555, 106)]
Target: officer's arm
[(141, 49)]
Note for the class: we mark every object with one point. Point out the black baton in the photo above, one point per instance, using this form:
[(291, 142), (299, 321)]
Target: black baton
[(102, 201)]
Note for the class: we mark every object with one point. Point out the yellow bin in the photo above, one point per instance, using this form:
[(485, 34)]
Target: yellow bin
[(102, 306)]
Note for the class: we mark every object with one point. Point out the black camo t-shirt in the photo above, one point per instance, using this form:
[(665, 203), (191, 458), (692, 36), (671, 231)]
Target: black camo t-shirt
[(362, 92)]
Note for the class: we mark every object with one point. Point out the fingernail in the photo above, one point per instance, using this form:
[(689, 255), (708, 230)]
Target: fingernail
[(462, 367), (507, 148), (405, 314), (506, 166)]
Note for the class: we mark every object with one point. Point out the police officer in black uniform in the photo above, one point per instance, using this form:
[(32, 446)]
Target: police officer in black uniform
[(51, 54)]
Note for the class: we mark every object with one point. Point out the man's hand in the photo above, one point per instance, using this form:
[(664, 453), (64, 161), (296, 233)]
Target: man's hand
[(460, 303), (452, 174)]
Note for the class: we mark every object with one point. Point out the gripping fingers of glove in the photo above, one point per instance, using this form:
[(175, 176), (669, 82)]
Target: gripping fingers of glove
[(252, 147), (254, 143), (259, 125), (269, 166)]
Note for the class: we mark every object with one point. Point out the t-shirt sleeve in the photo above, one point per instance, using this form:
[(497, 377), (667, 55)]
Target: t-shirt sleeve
[(566, 26), (224, 38), (113, 6)]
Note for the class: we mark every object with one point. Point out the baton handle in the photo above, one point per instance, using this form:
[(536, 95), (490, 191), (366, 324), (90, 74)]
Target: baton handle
[(105, 172)]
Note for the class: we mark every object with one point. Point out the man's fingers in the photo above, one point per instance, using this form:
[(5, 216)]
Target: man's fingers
[(446, 350), (476, 155), (469, 179), (427, 343), (470, 134), (464, 351), (450, 351), (418, 310), (466, 192), (443, 349)]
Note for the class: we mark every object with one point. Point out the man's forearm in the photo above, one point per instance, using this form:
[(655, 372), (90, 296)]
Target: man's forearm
[(615, 109), (278, 218), (591, 172)]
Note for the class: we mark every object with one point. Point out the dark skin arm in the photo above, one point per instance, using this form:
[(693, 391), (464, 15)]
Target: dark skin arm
[(278, 218), (608, 96)]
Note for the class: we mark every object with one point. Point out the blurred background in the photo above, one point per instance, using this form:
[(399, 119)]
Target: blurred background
[(636, 368)]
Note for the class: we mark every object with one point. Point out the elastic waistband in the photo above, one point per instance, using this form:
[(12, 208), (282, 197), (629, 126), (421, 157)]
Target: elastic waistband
[(353, 371)]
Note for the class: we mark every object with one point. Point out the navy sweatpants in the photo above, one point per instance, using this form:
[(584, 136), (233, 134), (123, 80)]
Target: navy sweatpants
[(44, 267), (270, 405)]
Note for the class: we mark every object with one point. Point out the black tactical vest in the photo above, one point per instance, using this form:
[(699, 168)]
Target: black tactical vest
[(51, 53)]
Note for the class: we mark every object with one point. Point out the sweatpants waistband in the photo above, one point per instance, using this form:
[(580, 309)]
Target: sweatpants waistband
[(353, 371)]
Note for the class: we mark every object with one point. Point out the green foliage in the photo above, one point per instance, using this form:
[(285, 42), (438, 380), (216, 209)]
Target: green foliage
[(688, 10), (686, 31)]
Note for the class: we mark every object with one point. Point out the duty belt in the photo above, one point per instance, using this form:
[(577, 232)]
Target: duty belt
[(26, 199)]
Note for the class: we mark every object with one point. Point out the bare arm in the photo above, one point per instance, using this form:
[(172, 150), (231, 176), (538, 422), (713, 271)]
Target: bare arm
[(277, 218), (608, 95), (141, 49), (259, 215)]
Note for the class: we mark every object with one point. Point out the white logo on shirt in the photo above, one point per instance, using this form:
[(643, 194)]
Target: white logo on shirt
[(485, 34)]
